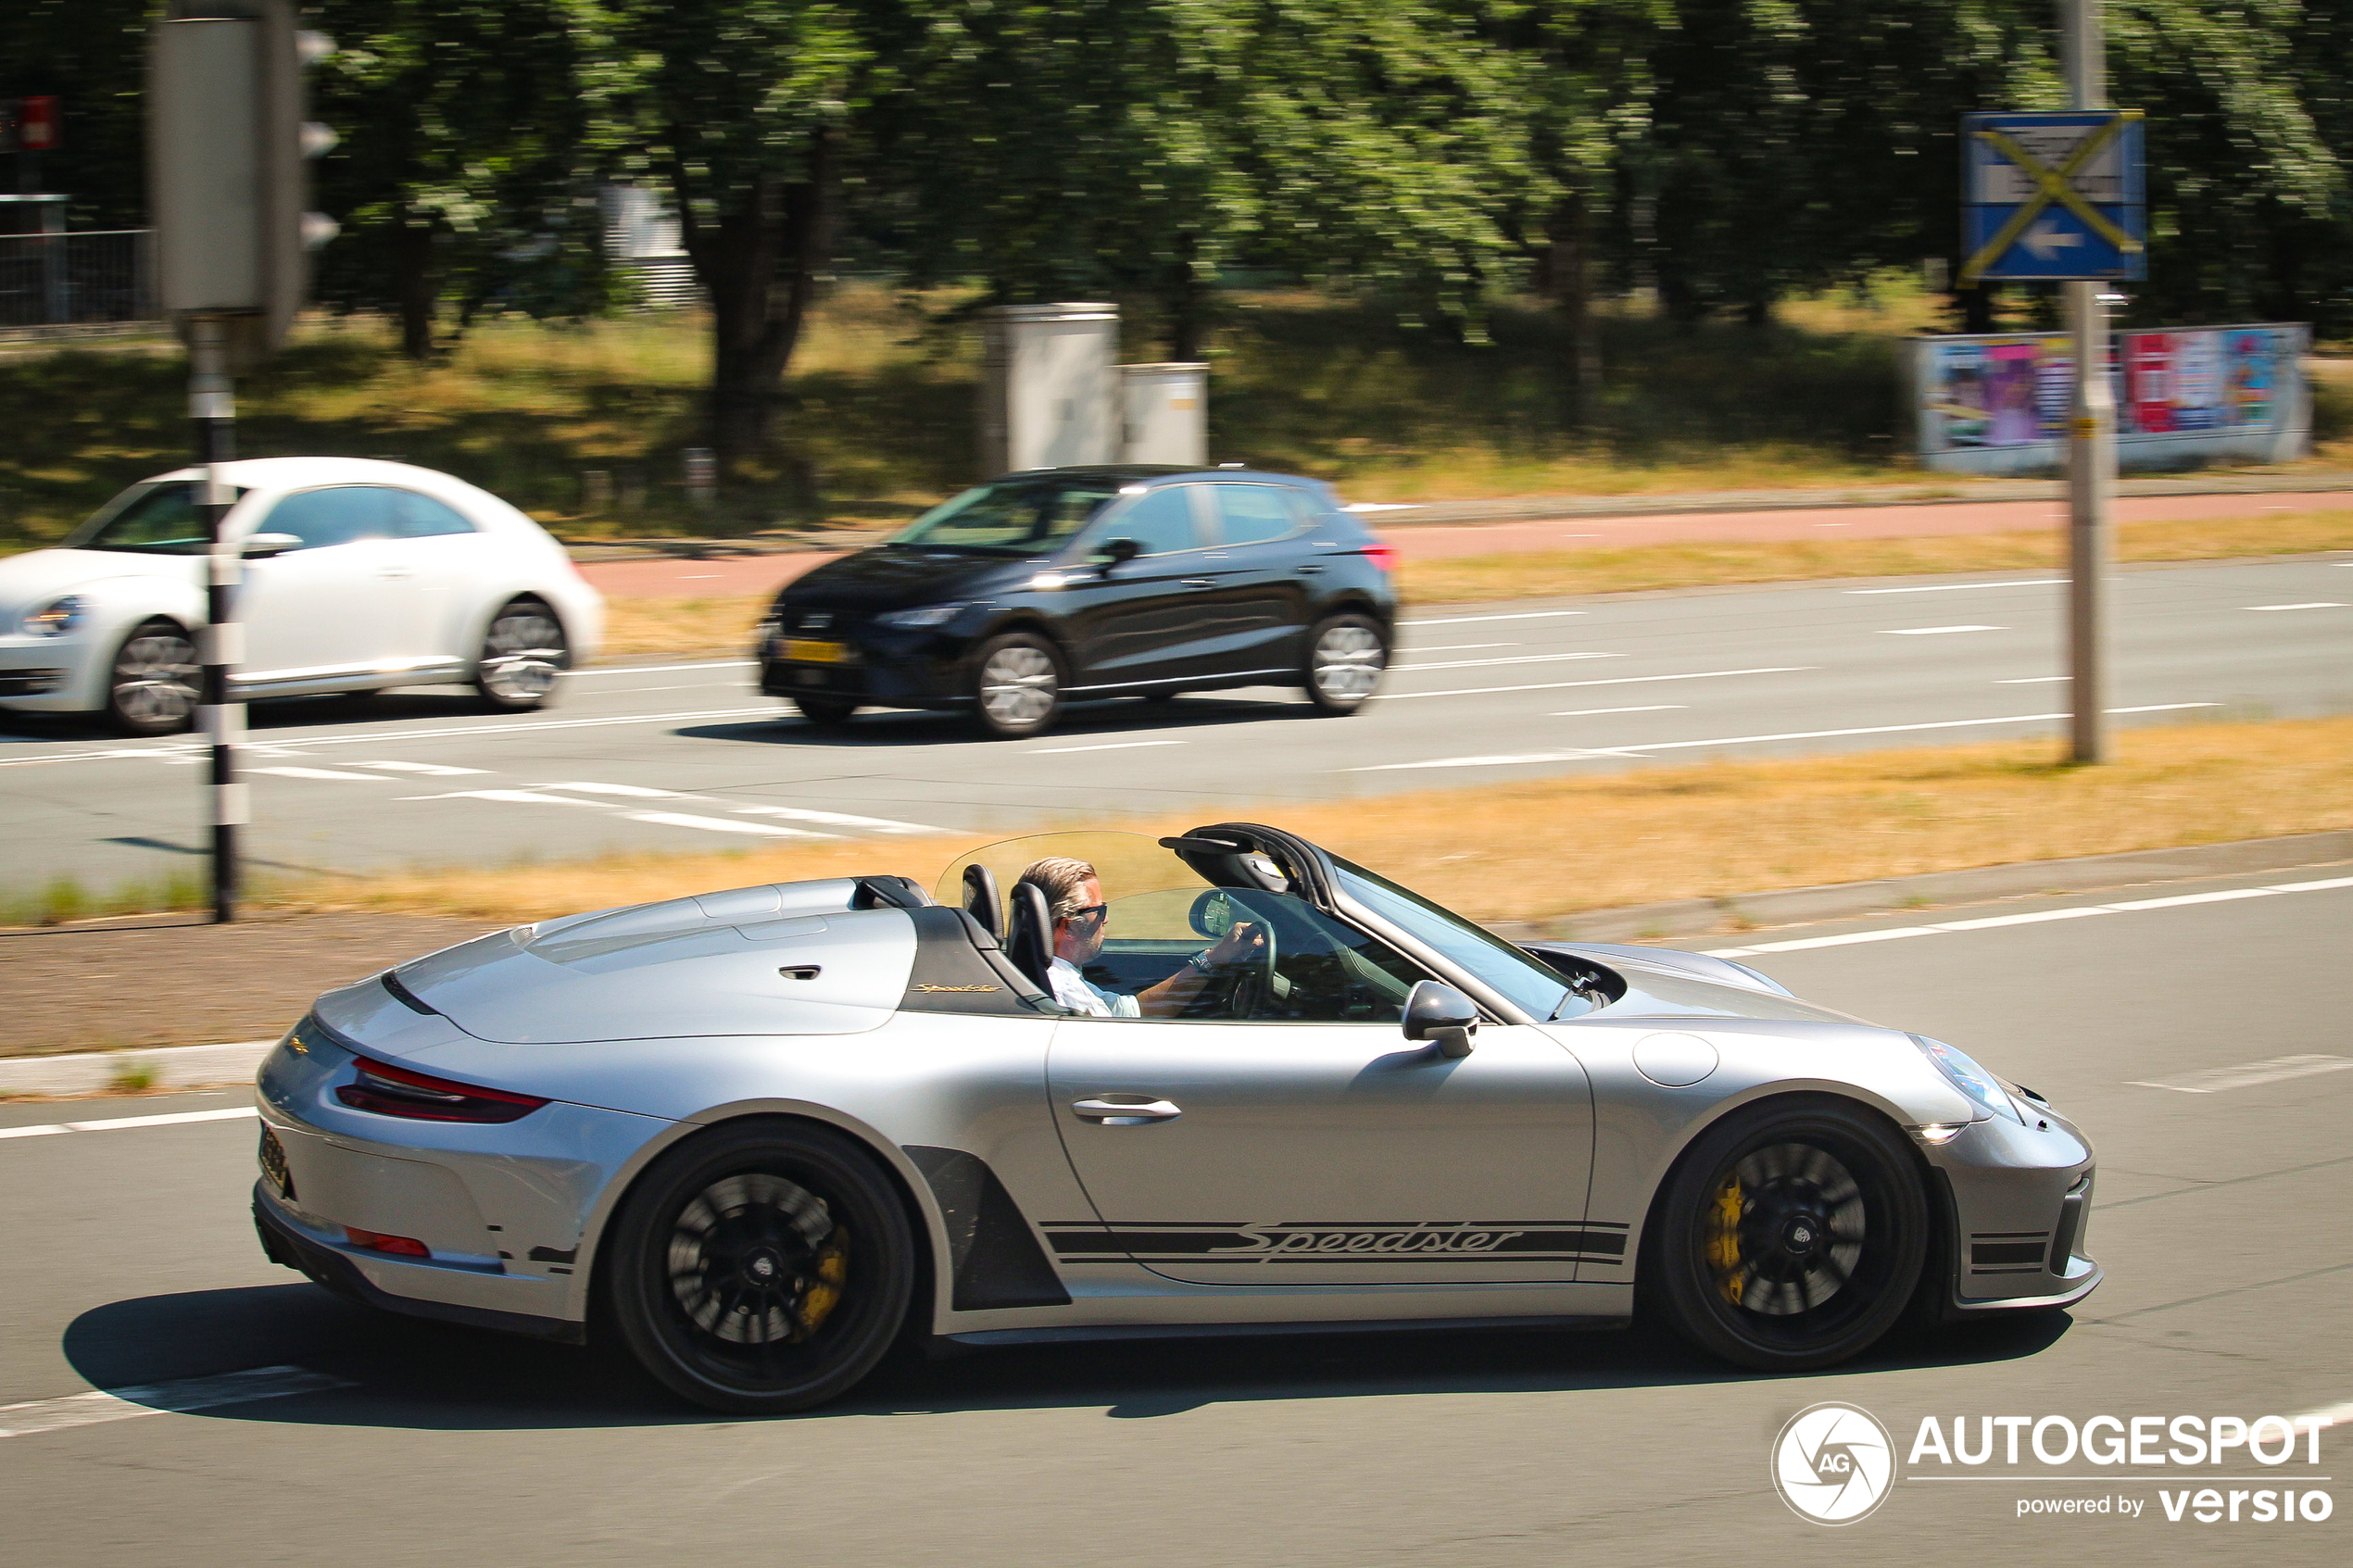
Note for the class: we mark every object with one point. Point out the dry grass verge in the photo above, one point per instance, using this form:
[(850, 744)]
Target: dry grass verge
[(1529, 851), (723, 624)]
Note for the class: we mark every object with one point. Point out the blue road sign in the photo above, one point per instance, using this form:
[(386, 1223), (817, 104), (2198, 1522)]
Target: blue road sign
[(2053, 196)]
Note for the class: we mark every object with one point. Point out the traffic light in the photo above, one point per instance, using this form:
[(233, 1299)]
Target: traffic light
[(228, 162)]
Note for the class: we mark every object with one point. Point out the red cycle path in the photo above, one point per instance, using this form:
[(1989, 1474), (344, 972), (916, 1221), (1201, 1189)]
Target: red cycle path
[(667, 577)]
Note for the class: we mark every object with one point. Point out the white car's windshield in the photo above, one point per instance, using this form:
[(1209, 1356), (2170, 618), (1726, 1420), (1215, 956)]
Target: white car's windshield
[(1528, 984), (152, 519)]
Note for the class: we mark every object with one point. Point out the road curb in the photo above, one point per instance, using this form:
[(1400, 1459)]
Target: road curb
[(166, 1067)]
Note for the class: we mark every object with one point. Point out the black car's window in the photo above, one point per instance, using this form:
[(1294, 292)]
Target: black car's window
[(1312, 970), (1018, 517), (1161, 521), (1531, 987), (157, 520), (421, 517), (1250, 514), (340, 515)]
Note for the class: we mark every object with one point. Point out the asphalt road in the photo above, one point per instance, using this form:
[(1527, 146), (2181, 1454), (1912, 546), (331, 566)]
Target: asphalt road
[(685, 755), (2220, 1218)]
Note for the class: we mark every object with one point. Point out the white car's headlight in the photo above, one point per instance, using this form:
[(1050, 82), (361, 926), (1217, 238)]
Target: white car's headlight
[(929, 615), (56, 618), (1965, 1075)]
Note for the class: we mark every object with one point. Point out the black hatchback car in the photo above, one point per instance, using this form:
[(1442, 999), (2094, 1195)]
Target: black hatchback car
[(1056, 584)]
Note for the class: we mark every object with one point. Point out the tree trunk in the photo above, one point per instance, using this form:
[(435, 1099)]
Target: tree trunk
[(1569, 272), (758, 262), (413, 286), (1183, 299), (1976, 309)]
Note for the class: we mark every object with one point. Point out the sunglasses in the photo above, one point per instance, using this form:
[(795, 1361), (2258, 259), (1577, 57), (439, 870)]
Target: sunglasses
[(1091, 911)]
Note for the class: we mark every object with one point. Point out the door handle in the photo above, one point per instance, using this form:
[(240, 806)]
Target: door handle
[(1200, 581), (1109, 1114), (1311, 568)]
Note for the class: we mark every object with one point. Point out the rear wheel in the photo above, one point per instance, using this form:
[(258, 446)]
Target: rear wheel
[(1017, 685), (1789, 1237), (761, 1268), (151, 689), (523, 655), (1346, 656)]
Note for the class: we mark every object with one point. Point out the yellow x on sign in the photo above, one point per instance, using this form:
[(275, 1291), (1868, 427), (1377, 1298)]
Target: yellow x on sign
[(2051, 185)]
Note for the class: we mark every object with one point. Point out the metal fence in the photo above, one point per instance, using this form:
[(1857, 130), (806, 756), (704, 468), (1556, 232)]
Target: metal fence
[(77, 280)]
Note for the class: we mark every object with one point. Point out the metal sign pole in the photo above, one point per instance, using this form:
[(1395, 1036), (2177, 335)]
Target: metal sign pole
[(213, 413), (2091, 448)]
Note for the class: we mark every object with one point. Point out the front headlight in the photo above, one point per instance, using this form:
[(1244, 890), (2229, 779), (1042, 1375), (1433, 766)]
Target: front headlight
[(1969, 1078), (56, 618), (929, 615)]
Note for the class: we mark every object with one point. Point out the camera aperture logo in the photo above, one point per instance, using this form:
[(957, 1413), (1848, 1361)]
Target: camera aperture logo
[(1833, 1463)]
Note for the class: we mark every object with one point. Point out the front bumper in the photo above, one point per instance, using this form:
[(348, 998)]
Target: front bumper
[(2017, 1208), (45, 674), (917, 671)]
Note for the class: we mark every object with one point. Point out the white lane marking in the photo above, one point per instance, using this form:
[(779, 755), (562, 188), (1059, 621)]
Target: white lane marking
[(378, 737), (1589, 713), (1744, 740), (1956, 587), (319, 773), (434, 770), (722, 824), (514, 796), (1113, 745), (2033, 680), (1460, 647), (181, 1394), (1935, 631), (174, 1119), (1521, 615), (635, 792), (663, 668), (1523, 659), (836, 819), (2248, 1074), (1612, 681), (2329, 1415), (2323, 604), (1384, 506), (2077, 912)]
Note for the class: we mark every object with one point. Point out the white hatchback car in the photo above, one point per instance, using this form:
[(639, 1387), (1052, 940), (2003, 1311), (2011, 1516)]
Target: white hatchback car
[(358, 576)]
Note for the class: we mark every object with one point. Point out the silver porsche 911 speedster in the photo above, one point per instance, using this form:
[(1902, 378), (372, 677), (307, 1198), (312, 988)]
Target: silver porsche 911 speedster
[(1109, 1086)]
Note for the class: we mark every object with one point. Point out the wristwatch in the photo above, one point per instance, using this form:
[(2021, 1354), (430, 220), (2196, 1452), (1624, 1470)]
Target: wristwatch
[(1200, 964)]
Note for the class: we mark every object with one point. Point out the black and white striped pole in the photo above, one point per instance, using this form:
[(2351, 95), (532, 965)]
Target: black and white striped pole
[(212, 410)]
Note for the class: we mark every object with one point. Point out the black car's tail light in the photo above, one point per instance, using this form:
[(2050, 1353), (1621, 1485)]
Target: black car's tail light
[(377, 1241), (397, 1091)]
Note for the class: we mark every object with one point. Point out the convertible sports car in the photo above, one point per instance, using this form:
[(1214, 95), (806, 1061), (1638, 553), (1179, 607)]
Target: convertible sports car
[(764, 1135)]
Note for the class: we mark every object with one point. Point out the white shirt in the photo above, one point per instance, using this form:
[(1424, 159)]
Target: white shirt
[(1074, 990)]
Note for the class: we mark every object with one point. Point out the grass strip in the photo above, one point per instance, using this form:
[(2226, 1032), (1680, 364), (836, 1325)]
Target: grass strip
[(723, 623), (1535, 850)]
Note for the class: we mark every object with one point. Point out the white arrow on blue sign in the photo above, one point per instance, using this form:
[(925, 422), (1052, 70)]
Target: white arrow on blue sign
[(2053, 196)]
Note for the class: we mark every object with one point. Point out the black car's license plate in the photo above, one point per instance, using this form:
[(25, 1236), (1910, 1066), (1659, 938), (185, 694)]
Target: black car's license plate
[(273, 1164)]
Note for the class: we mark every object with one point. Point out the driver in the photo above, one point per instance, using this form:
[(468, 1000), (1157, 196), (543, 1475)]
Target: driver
[(1074, 897)]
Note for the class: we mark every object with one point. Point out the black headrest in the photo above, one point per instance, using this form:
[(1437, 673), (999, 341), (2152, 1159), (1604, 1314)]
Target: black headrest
[(981, 901), (1031, 947), (887, 892)]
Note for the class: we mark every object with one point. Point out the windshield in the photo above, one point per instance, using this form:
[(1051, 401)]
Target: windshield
[(1011, 516), (154, 520), (1528, 984)]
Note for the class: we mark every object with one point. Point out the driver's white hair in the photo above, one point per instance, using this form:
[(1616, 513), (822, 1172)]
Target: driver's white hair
[(1062, 881)]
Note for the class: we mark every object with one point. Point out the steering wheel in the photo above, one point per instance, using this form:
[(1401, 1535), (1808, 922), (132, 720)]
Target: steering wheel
[(1214, 913)]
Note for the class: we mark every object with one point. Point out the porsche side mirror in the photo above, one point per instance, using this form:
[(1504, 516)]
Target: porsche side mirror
[(262, 547), (1443, 1016), (1119, 552)]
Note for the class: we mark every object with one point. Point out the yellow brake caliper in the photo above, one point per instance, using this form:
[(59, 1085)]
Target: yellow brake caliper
[(1724, 1240), (833, 1273)]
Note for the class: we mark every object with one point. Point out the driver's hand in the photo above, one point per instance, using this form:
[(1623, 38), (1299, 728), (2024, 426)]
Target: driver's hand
[(1242, 940)]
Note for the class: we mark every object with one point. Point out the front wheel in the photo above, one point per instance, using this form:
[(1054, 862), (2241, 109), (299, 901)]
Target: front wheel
[(1790, 1237), (523, 655), (826, 712), (1017, 685), (1346, 656), (151, 689), (761, 1268)]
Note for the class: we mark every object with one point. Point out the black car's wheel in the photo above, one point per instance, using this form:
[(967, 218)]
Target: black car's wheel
[(151, 689), (1790, 1236), (1345, 658), (764, 1267), (1017, 685), (523, 655), (830, 712)]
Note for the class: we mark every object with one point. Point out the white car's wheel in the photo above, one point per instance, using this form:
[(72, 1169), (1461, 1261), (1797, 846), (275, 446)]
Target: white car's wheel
[(152, 690), (523, 655)]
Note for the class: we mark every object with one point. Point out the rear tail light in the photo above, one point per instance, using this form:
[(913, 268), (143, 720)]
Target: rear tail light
[(1382, 556), (397, 1091), (376, 1241)]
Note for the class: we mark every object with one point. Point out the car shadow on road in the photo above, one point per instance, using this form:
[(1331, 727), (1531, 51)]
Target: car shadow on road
[(411, 1374), (1079, 724)]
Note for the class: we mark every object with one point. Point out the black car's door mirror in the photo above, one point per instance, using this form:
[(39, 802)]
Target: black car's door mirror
[(1437, 1013), (262, 547), (1117, 552)]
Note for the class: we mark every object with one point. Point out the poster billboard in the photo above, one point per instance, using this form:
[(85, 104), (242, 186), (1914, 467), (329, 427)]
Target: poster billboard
[(1999, 404)]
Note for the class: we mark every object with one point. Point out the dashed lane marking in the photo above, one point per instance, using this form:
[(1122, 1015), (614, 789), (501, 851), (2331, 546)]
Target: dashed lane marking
[(2324, 604), (2248, 1074), (513, 796), (1520, 615), (1956, 587), (431, 769), (1614, 681), (127, 1123), (1113, 745), (1935, 631), (321, 773), (1652, 707), (378, 737), (180, 1395), (1522, 659), (723, 824)]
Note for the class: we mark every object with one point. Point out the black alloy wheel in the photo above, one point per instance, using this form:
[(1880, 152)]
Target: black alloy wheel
[(1791, 1235), (828, 713), (523, 655), (1017, 684), (764, 1267), (152, 686), (1346, 657)]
